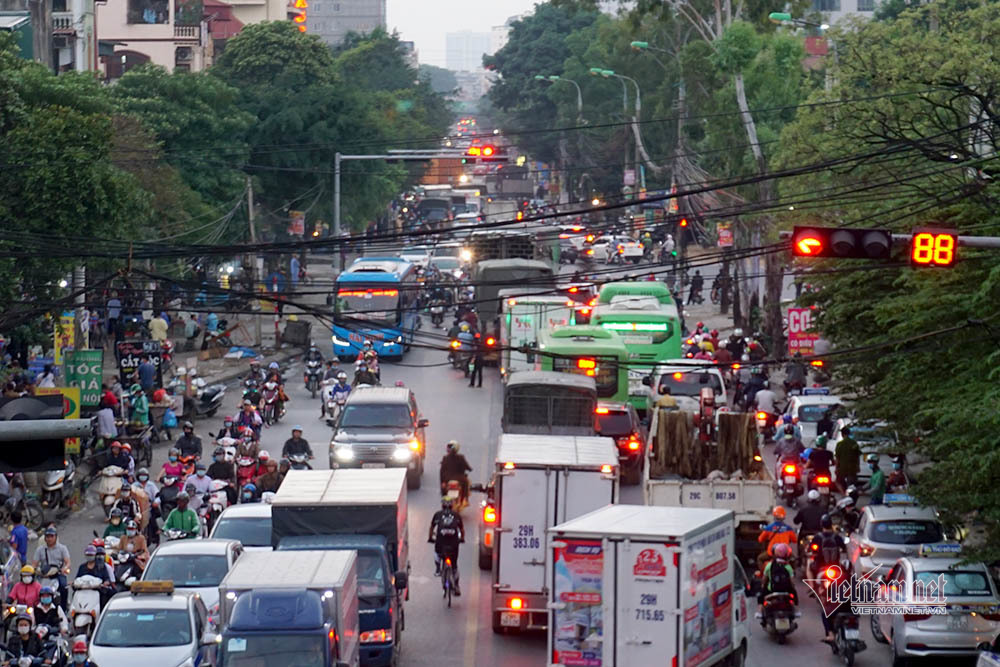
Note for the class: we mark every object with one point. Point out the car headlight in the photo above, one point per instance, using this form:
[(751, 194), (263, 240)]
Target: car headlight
[(343, 453), (401, 454), (339, 341)]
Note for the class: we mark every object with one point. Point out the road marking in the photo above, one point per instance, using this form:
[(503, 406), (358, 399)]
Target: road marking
[(472, 617)]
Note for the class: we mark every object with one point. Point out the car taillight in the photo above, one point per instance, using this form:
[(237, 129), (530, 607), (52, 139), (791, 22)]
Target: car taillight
[(790, 469), (590, 252), (491, 341), (907, 618), (822, 480), (633, 445), (380, 636), (991, 617), (814, 547), (515, 603), (489, 514), (866, 550), (761, 415)]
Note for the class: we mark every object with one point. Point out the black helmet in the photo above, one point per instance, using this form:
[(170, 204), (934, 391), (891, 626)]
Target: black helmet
[(826, 522)]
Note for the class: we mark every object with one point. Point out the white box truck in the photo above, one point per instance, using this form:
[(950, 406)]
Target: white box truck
[(522, 315), (256, 595), (632, 585), (540, 481)]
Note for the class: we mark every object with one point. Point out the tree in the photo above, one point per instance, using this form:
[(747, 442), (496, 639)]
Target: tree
[(441, 80), (921, 130)]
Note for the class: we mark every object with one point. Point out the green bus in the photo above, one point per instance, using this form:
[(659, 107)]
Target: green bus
[(587, 350), (657, 290)]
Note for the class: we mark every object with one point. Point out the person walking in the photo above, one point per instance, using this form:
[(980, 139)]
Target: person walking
[(477, 365), (848, 456)]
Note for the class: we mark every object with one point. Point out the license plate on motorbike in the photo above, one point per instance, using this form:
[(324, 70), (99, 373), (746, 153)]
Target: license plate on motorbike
[(782, 624), (510, 619), (372, 465), (852, 633), (824, 489), (790, 479)]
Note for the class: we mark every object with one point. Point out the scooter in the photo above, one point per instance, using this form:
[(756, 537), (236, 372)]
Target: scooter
[(189, 463), (174, 534), (217, 501), (789, 481), (765, 426), (228, 448), (246, 470), (437, 313), (299, 461), (126, 570), (847, 640), (270, 398), (109, 486), (453, 491), (86, 605), (314, 369), (778, 616), (820, 480), (57, 484), (49, 577)]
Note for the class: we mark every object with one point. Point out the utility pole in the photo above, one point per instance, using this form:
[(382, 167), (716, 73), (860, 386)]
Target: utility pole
[(80, 300), (256, 268), (336, 210)]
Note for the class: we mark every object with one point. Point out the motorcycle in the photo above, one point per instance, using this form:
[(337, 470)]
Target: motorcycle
[(57, 484), (228, 447), (246, 470), (437, 313), (299, 461), (55, 647), (10, 614), (216, 501), (765, 426), (109, 486), (778, 616), (314, 370), (453, 491), (820, 481), (49, 577), (789, 481), (189, 463), (251, 392), (86, 605), (270, 397), (166, 355), (174, 534), (126, 570), (847, 641)]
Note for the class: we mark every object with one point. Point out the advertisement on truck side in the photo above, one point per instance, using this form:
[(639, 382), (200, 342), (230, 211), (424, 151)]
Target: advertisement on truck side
[(708, 615), (579, 627)]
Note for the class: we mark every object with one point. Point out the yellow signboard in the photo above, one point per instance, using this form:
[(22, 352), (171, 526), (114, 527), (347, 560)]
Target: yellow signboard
[(71, 410), (63, 336)]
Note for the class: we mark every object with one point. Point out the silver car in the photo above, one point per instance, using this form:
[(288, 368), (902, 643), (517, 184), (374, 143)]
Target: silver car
[(969, 598), (887, 533)]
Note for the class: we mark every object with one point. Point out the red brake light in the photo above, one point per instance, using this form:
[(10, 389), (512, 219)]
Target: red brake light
[(866, 550), (822, 480), (602, 411), (736, 367), (586, 363), (761, 415), (684, 222), (817, 362), (455, 344), (607, 469), (489, 514), (491, 341), (814, 547), (515, 603), (790, 469), (633, 445), (487, 151), (574, 290), (678, 376), (809, 245), (447, 561), (832, 573)]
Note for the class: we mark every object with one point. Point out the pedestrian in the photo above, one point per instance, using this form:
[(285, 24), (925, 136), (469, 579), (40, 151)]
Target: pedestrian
[(147, 375), (114, 311), (48, 377), (477, 364), (697, 282), (294, 267), (191, 331), (19, 536), (158, 327), (848, 457), (211, 323)]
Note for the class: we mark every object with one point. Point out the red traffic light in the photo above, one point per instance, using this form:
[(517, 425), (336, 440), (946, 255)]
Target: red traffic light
[(683, 222), (843, 242), (933, 247)]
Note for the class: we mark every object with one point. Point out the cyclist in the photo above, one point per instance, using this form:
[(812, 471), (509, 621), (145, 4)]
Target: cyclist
[(446, 532)]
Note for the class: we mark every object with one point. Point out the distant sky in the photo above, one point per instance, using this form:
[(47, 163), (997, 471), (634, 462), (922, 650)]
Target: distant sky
[(425, 22)]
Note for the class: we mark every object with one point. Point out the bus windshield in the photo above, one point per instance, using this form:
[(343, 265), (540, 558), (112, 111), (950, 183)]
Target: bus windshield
[(376, 304), (604, 370)]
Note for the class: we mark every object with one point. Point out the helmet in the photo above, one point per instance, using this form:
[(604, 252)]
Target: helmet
[(23, 616), (714, 333), (297, 427), (778, 512), (90, 551), (370, 354), (127, 447), (826, 522), (821, 441), (135, 389), (464, 326), (116, 513), (872, 458), (263, 455), (80, 646), (117, 444), (445, 502), (46, 590), (188, 425), (782, 550), (738, 333), (766, 384), (452, 446), (183, 495), (251, 487), (342, 376), (359, 363), (126, 487), (227, 420), (218, 451), (141, 472), (255, 362), (367, 343), (131, 525), (745, 357), (853, 493), (273, 365), (813, 496), (27, 569)]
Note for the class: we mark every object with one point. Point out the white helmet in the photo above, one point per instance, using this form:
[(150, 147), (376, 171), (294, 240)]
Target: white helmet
[(813, 496)]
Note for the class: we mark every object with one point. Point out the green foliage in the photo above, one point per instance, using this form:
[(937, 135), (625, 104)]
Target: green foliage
[(737, 48), (275, 54), (927, 167)]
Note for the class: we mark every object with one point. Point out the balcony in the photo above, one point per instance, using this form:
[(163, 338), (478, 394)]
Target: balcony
[(187, 32), (62, 23)]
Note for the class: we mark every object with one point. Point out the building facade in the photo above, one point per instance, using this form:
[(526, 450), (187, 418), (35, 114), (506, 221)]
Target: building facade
[(464, 50), (332, 20)]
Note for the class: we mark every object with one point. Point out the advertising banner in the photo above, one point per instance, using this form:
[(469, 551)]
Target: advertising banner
[(130, 354), (578, 624), (63, 336), (708, 618), (725, 231), (71, 409), (84, 369), (800, 338)]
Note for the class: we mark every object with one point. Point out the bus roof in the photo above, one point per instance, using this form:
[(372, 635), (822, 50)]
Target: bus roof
[(571, 380), (585, 339), (635, 308), (371, 265), (636, 288), (530, 295)]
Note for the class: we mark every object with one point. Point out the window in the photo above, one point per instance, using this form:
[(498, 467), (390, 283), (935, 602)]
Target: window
[(148, 11), (866, 5), (188, 12), (826, 5)]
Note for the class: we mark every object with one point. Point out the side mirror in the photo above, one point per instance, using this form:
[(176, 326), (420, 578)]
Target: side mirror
[(423, 423), (647, 380), (402, 580), (211, 435)]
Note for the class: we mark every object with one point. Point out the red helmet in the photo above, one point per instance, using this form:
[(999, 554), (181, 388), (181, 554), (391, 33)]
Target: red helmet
[(80, 646), (127, 447), (714, 332), (700, 325), (263, 455)]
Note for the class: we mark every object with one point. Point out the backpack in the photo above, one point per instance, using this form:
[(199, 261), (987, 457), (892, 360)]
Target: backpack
[(781, 582)]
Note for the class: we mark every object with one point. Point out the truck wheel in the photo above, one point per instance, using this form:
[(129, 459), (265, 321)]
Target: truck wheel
[(485, 559)]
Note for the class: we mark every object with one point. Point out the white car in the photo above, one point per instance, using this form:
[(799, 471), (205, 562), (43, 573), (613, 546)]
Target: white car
[(250, 523), (685, 382), (154, 625), (809, 410), (195, 566), (616, 248), (418, 254), (872, 437)]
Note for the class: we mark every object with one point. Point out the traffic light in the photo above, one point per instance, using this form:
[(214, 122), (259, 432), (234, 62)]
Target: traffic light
[(843, 242), (26, 451), (683, 222), (933, 247)]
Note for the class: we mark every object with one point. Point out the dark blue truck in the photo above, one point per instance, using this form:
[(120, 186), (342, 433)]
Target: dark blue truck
[(362, 510)]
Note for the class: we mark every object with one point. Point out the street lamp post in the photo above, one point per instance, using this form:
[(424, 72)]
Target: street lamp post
[(607, 73), (579, 113)]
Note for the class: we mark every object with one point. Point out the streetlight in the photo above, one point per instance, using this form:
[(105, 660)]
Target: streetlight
[(647, 48), (579, 93)]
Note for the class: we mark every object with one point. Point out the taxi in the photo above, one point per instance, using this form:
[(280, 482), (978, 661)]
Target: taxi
[(960, 600), (888, 532), (808, 409), (153, 625)]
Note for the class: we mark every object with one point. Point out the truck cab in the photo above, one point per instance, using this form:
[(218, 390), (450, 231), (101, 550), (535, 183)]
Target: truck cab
[(381, 589)]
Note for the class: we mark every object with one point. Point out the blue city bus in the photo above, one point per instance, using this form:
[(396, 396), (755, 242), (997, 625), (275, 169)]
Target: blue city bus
[(375, 299)]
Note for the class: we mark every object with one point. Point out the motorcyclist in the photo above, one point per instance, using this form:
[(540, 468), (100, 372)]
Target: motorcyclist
[(313, 354), (116, 526), (371, 360), (252, 391), (847, 510), (256, 373), (27, 590), (200, 480), (765, 399), (296, 444), (808, 518), (270, 480), (341, 389), (455, 466), (182, 518), (818, 458), (775, 533), (876, 484), (825, 550), (135, 543), (366, 347), (224, 470), (24, 643), (80, 658), (93, 565), (364, 375), (795, 373), (756, 383), (249, 417), (47, 612), (127, 504), (229, 429), (119, 457), (189, 444), (771, 582), (274, 373), (248, 494), (897, 478), (332, 370), (447, 533), (789, 446)]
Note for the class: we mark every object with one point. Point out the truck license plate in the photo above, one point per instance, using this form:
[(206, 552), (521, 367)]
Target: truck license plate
[(510, 619), (852, 633), (958, 622), (372, 465), (790, 479), (781, 624)]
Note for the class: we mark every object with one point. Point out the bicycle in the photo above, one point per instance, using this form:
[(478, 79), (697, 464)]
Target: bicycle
[(447, 579)]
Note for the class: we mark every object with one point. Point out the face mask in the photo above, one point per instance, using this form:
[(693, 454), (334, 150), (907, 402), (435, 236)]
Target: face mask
[(28, 579), (143, 478), (896, 466), (247, 496), (94, 559), (201, 473), (220, 459), (131, 533), (23, 629), (173, 459), (79, 658), (46, 600)]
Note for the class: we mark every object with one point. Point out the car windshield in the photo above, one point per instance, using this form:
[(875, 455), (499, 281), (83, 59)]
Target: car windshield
[(188, 570), (960, 583), (690, 384), (906, 531), (371, 579), (813, 413), (265, 649), (416, 251), (613, 424), (250, 531), (376, 415), (446, 263), (122, 628)]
